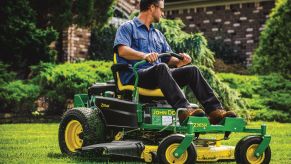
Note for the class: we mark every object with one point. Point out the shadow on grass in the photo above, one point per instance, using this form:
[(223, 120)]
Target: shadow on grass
[(92, 158)]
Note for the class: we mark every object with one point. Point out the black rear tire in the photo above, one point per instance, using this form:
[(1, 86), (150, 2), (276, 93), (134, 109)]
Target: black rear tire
[(80, 127)]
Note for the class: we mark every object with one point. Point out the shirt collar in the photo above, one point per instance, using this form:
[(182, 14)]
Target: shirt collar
[(138, 23)]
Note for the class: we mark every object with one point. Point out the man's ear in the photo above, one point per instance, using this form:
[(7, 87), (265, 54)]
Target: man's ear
[(152, 7)]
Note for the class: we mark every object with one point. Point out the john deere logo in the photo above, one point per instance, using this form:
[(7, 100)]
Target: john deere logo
[(162, 112), (104, 105)]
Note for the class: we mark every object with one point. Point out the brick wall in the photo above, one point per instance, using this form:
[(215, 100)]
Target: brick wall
[(76, 42), (128, 6), (238, 23)]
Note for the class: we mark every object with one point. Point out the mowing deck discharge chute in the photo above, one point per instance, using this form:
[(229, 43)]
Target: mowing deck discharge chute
[(120, 148)]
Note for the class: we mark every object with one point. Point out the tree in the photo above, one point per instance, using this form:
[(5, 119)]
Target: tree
[(21, 43), (28, 27), (62, 14), (274, 51), (101, 43)]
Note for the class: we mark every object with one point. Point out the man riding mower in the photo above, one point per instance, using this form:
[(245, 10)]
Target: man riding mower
[(126, 120), (145, 114)]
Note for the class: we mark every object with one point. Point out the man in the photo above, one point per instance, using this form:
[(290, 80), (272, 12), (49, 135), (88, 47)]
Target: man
[(138, 40)]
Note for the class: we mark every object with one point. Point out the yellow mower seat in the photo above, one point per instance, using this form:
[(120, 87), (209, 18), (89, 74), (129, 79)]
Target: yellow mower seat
[(142, 91)]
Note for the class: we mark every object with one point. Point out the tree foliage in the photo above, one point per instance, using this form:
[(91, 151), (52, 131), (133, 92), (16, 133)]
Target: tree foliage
[(62, 14), (274, 51), (21, 42), (28, 27), (226, 52), (6, 75), (101, 43)]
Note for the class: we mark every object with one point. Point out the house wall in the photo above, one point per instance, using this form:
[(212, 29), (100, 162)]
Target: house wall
[(237, 22)]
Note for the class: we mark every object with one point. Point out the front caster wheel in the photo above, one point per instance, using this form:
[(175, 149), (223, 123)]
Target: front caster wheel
[(245, 153), (169, 145)]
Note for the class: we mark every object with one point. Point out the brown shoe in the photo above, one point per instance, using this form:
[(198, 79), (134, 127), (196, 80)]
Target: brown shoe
[(217, 115), (190, 112)]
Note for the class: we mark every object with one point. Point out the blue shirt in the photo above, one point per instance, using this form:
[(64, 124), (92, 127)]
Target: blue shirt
[(135, 34)]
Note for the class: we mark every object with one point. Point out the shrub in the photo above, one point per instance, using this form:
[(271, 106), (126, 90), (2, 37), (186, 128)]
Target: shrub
[(228, 97), (274, 51), (18, 97), (60, 82), (277, 90), (220, 66), (226, 51), (101, 44), (270, 115), (269, 94), (5, 74)]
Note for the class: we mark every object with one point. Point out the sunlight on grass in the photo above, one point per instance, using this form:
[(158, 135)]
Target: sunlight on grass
[(38, 143)]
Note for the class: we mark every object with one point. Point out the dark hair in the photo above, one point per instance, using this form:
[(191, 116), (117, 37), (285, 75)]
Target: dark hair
[(145, 4)]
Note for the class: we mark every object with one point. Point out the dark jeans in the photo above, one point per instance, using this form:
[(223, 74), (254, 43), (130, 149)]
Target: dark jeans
[(170, 82)]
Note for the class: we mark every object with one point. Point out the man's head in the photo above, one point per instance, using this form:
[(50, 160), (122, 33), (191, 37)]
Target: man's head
[(154, 7)]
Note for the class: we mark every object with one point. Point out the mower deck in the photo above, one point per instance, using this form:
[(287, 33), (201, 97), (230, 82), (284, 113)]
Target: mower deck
[(137, 149)]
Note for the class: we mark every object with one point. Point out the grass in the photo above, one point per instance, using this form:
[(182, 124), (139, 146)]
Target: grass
[(38, 143)]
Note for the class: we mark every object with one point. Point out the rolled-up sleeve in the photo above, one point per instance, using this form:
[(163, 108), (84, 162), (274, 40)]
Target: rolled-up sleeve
[(123, 36)]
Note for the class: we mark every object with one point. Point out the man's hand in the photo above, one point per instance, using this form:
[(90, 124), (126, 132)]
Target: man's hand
[(187, 59), (151, 57)]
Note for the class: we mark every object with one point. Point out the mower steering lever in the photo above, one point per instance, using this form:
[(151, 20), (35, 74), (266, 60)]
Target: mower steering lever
[(171, 54)]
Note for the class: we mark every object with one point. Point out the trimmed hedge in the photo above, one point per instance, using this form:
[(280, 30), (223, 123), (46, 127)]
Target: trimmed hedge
[(61, 82), (267, 97), (18, 97)]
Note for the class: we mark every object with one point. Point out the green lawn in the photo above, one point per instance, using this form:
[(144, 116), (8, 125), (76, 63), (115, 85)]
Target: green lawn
[(38, 143)]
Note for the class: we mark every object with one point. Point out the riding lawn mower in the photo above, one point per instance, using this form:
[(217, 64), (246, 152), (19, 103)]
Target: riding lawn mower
[(113, 119)]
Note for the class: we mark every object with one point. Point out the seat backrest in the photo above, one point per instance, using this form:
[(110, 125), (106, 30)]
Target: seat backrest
[(117, 68)]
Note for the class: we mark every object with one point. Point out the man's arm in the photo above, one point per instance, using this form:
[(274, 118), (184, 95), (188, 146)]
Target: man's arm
[(131, 54)]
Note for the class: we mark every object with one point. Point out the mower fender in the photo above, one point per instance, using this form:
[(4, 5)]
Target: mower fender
[(80, 100), (187, 141), (263, 145)]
